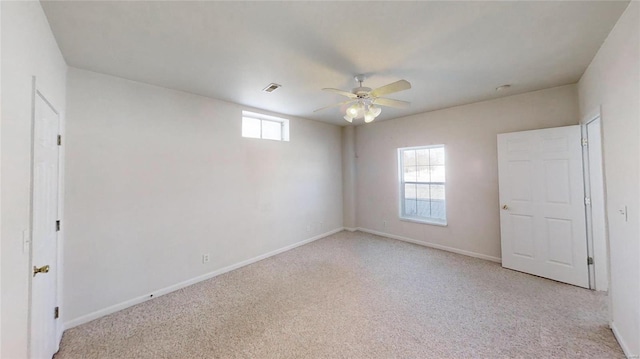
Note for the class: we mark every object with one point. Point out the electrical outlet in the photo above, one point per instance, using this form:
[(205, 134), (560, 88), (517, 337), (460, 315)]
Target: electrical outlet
[(384, 224), (205, 258)]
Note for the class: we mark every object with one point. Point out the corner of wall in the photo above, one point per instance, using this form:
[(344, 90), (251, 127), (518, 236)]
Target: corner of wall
[(349, 176)]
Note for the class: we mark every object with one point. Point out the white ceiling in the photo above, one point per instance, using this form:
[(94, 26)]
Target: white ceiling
[(452, 52)]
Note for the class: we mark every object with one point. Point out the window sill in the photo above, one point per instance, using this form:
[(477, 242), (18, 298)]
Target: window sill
[(425, 221)]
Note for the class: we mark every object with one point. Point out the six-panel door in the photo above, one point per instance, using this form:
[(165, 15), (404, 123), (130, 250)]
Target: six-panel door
[(542, 215)]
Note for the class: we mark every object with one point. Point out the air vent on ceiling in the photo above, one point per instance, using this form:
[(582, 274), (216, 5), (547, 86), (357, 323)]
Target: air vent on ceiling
[(272, 87)]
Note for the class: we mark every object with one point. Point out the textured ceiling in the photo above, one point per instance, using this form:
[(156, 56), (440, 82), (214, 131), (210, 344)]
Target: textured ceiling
[(452, 52)]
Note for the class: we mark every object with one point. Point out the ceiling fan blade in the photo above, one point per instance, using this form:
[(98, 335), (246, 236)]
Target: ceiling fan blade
[(397, 86), (340, 92), (391, 102), (334, 105)]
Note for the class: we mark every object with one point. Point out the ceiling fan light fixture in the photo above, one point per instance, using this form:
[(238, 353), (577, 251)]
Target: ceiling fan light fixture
[(375, 110), (368, 117), (353, 110), (356, 110), (371, 113), (349, 119), (361, 110)]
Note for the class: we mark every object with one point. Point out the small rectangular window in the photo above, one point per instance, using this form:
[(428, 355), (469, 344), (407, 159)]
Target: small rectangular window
[(422, 184), (271, 130), (251, 127), (255, 125)]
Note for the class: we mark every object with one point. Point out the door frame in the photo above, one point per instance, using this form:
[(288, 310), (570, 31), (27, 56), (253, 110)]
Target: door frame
[(37, 92), (598, 248)]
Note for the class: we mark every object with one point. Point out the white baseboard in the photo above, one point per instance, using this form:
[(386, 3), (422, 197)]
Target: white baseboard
[(623, 344), (433, 245), (131, 302), (351, 229)]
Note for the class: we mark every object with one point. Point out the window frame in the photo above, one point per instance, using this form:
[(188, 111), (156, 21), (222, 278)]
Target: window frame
[(284, 125), (401, 200)]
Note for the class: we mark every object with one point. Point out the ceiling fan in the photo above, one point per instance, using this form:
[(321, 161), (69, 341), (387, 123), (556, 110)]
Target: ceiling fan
[(365, 101)]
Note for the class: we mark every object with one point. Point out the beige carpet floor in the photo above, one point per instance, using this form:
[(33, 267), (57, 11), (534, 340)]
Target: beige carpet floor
[(356, 295)]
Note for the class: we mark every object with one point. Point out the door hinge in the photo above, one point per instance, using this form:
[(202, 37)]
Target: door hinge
[(57, 225), (585, 142), (56, 313), (589, 260), (59, 140), (587, 201)]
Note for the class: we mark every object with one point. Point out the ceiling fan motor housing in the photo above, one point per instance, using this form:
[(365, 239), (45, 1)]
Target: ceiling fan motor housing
[(362, 92)]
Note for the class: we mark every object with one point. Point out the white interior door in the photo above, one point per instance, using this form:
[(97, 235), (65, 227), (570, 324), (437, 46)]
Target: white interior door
[(43, 338), (542, 219)]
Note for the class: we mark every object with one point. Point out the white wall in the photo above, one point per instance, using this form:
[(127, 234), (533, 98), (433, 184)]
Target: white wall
[(28, 49), (157, 177), (612, 81), (469, 135)]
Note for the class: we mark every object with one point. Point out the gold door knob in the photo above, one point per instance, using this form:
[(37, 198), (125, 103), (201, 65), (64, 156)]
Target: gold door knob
[(505, 207), (43, 269)]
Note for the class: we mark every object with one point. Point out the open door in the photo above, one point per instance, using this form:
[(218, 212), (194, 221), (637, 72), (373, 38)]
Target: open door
[(44, 229), (596, 213), (542, 215)]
